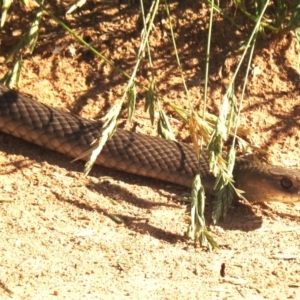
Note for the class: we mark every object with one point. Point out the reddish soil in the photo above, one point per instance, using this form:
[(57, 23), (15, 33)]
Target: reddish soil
[(58, 239)]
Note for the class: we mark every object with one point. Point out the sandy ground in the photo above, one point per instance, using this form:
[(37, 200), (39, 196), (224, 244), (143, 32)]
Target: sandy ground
[(58, 240)]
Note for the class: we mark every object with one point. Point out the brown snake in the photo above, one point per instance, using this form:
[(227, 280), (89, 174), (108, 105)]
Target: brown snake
[(135, 153)]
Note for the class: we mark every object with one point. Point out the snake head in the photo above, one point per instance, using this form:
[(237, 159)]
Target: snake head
[(266, 183)]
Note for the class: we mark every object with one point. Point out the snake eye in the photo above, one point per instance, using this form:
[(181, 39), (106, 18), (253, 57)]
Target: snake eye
[(286, 183)]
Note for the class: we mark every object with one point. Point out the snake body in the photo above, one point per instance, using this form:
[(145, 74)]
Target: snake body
[(135, 153)]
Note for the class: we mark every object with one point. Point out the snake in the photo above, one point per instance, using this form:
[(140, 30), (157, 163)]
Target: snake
[(23, 117)]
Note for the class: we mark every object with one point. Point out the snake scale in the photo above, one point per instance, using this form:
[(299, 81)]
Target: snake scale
[(135, 153)]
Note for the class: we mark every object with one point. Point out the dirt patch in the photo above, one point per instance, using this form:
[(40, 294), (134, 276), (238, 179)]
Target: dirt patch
[(57, 237)]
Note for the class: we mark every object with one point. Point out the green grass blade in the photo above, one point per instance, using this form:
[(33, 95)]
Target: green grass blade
[(5, 7)]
